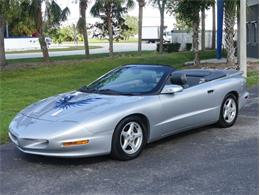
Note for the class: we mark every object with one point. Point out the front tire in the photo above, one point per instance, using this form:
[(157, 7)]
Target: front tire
[(129, 138), (229, 111)]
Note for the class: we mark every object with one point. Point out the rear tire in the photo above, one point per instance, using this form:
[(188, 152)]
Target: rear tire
[(129, 138), (228, 111)]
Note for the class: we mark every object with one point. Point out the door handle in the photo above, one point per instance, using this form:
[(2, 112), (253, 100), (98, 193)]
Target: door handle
[(211, 91)]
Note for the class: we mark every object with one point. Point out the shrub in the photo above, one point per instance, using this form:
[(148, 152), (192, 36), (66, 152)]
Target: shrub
[(188, 46), (169, 47)]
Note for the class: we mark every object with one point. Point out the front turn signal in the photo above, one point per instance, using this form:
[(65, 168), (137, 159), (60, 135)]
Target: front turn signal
[(75, 143)]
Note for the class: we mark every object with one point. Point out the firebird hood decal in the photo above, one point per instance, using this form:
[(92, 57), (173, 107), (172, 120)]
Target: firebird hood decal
[(77, 106), (66, 103)]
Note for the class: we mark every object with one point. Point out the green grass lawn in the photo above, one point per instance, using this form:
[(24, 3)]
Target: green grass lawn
[(21, 87), (71, 48), (75, 57), (252, 78)]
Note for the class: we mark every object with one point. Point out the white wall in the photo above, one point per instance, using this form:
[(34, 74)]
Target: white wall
[(183, 37), (21, 43)]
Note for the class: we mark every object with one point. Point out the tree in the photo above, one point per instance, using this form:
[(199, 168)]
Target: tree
[(180, 25), (229, 20), (213, 41), (82, 25), (53, 16), (8, 10), (20, 24), (113, 23), (132, 23), (188, 12), (2, 43), (141, 4), (161, 5), (66, 33)]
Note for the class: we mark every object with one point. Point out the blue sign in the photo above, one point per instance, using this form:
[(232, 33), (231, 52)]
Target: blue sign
[(220, 12)]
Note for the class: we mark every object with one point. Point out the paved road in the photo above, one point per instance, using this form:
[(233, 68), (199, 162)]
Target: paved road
[(203, 161), (118, 47)]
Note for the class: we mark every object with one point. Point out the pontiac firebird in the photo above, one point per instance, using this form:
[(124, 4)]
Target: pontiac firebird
[(127, 108)]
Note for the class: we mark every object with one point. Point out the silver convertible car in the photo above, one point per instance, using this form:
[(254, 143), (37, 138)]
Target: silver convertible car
[(127, 108)]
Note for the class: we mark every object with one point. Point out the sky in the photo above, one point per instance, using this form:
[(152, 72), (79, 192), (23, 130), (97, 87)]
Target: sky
[(151, 16)]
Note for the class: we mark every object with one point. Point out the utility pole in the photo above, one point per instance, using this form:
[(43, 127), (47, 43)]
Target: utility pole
[(242, 39), (220, 11)]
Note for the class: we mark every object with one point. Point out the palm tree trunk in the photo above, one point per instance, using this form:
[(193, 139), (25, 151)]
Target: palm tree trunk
[(39, 27), (44, 47), (213, 41), (140, 24), (230, 12), (83, 7), (110, 34), (85, 37), (2, 44), (203, 29), (161, 30), (195, 40), (238, 34)]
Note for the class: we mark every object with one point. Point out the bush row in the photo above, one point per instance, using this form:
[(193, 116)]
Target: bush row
[(173, 47)]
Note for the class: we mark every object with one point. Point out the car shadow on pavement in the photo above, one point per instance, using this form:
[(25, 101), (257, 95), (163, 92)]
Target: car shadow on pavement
[(62, 161)]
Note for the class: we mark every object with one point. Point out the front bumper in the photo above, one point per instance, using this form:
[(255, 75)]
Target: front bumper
[(243, 99), (98, 145)]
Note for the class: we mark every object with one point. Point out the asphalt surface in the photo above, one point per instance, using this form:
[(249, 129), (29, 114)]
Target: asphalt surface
[(206, 161), (118, 47)]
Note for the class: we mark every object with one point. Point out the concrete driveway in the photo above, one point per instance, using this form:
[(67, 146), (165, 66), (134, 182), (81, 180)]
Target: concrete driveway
[(206, 161), (118, 47)]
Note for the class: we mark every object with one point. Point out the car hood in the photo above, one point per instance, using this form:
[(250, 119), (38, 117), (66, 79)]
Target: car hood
[(73, 105)]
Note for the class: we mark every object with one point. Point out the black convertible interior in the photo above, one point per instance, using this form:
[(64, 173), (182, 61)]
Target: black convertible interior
[(192, 77)]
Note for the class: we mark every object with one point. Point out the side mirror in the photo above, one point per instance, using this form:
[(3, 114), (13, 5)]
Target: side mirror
[(171, 89)]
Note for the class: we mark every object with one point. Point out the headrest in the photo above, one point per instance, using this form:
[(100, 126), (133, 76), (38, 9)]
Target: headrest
[(149, 79), (179, 79)]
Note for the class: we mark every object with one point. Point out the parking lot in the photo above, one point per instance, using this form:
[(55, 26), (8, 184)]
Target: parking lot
[(208, 160)]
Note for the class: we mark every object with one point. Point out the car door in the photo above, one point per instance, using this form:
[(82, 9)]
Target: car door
[(194, 106)]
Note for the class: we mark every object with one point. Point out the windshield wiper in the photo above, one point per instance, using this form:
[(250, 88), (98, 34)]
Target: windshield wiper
[(85, 89), (103, 91), (108, 91)]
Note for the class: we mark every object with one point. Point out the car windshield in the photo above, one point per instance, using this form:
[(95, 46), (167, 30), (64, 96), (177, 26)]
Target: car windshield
[(128, 80)]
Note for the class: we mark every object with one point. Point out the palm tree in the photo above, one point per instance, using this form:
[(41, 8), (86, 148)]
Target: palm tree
[(109, 10), (8, 10), (161, 5), (2, 43), (53, 16), (230, 16), (82, 23), (141, 4), (195, 37)]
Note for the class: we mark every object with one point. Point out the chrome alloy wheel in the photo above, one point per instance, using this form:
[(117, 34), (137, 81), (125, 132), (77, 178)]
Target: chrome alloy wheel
[(230, 110), (131, 137)]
